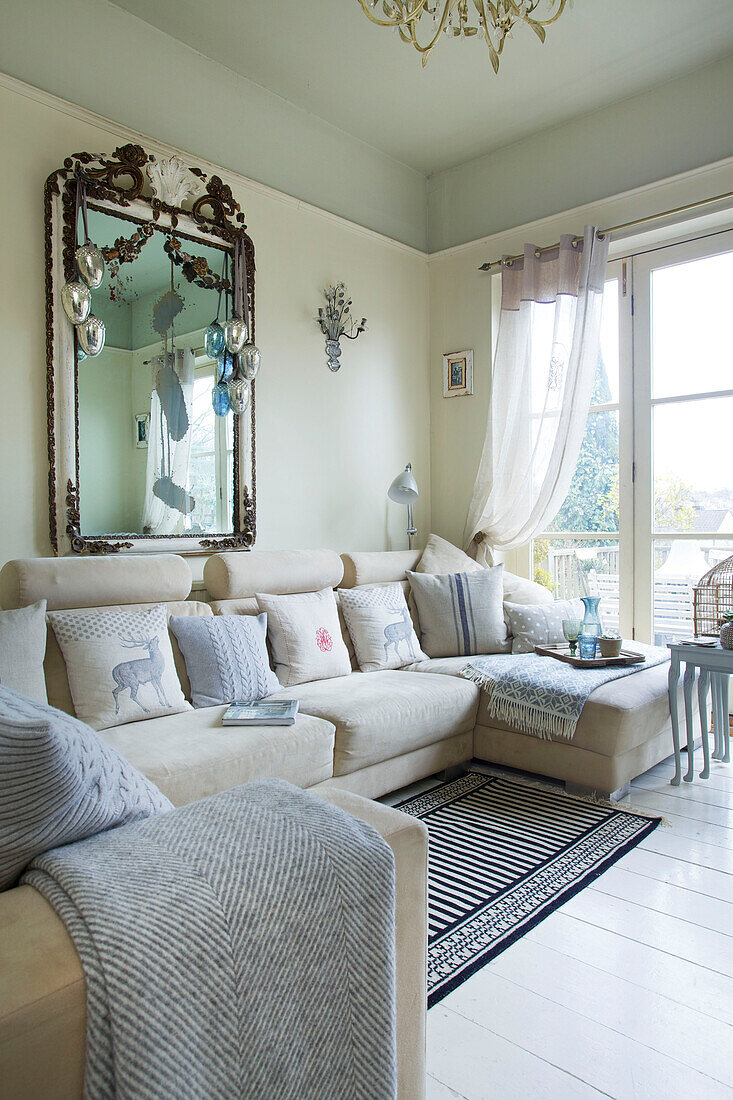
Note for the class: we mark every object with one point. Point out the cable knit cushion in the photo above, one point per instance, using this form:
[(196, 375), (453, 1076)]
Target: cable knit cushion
[(304, 633), (120, 665), (540, 624), (22, 649), (226, 658), (380, 627), (59, 783)]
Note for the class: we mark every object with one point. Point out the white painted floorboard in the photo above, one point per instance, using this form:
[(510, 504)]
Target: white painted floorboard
[(627, 991)]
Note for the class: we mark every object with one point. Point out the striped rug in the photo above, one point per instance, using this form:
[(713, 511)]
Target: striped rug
[(503, 856)]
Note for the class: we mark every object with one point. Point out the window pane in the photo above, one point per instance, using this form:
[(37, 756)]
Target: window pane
[(693, 475), (592, 501), (691, 346), (202, 477), (678, 566), (581, 567)]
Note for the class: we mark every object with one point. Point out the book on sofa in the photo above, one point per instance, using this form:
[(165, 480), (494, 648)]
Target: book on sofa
[(260, 714)]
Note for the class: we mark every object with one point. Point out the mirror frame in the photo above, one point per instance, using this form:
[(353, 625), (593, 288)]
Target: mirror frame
[(115, 183)]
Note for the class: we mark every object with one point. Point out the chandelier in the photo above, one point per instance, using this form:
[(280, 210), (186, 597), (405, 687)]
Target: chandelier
[(492, 20)]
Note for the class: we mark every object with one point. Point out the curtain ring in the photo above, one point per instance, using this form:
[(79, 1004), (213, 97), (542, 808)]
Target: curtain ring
[(537, 253)]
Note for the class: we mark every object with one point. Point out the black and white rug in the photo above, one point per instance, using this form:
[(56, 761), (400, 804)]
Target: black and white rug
[(505, 854)]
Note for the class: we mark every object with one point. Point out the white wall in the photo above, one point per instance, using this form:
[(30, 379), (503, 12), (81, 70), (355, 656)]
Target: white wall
[(328, 444), (673, 128), (460, 317)]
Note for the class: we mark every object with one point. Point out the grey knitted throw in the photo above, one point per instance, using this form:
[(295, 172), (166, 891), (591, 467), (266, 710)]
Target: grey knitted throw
[(241, 946)]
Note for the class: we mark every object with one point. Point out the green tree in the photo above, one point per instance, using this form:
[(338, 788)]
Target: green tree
[(588, 505), (674, 505)]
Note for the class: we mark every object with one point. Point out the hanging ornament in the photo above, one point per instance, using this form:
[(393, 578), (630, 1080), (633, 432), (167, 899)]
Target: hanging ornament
[(249, 361), (76, 299), (91, 335), (225, 367), (238, 393), (220, 399), (90, 262), (214, 339), (236, 334)]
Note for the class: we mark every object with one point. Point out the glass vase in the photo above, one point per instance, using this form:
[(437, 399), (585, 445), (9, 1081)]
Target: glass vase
[(591, 620)]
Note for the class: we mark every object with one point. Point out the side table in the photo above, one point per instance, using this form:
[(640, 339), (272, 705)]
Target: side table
[(715, 665)]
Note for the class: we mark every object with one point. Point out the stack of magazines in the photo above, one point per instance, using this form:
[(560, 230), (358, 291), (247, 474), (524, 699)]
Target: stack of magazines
[(261, 713)]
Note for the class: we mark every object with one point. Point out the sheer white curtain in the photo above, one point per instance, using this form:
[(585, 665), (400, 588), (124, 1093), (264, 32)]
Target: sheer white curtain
[(168, 457), (546, 354)]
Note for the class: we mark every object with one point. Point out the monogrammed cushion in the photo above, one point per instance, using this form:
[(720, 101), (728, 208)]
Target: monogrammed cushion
[(226, 658), (380, 627), (305, 636), (120, 665)]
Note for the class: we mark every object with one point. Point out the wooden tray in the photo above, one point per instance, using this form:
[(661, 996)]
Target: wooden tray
[(562, 653)]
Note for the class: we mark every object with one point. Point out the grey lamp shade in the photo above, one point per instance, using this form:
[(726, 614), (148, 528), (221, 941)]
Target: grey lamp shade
[(403, 489)]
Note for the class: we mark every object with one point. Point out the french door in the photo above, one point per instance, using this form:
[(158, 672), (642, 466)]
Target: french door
[(650, 508)]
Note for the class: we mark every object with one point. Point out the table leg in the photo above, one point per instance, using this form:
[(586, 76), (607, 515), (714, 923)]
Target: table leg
[(724, 719), (672, 681), (717, 723), (688, 682), (702, 698)]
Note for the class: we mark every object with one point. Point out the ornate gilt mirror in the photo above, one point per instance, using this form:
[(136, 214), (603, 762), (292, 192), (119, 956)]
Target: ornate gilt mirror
[(150, 447)]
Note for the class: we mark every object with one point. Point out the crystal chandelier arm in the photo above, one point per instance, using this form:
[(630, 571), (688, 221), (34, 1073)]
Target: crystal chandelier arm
[(403, 15)]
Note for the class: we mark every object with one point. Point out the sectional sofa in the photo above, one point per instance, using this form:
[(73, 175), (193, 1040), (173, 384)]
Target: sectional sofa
[(356, 737)]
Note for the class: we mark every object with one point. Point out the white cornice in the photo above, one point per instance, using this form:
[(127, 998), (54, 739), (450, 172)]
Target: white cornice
[(124, 133)]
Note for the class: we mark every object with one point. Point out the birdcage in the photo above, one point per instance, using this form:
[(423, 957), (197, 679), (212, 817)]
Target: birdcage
[(711, 596)]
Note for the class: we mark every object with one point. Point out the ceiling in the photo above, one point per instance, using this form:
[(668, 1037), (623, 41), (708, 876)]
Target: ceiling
[(326, 58)]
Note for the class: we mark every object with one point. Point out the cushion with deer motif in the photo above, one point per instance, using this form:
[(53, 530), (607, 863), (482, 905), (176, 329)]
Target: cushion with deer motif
[(461, 614), (120, 665), (304, 634), (380, 626)]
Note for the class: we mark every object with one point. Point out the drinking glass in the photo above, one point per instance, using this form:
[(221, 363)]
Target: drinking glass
[(571, 629), (587, 644)]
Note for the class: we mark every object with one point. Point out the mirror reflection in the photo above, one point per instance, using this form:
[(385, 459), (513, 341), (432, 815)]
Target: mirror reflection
[(153, 457)]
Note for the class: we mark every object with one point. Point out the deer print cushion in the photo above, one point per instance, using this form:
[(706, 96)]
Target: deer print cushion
[(120, 665), (304, 633), (380, 627), (461, 614)]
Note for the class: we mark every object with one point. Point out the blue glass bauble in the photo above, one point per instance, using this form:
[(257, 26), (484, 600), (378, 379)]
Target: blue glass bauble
[(224, 366), (213, 340), (220, 399)]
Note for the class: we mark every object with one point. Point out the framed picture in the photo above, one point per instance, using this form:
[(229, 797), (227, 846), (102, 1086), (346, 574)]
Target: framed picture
[(142, 429), (458, 374)]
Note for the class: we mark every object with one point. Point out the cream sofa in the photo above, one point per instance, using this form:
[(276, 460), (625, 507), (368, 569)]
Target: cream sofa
[(189, 755), (364, 734)]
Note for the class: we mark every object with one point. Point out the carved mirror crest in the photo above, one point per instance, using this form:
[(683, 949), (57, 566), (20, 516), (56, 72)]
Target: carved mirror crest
[(139, 458)]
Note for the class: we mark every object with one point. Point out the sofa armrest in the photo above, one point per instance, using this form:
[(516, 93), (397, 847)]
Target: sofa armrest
[(43, 992), (408, 839), (42, 1001)]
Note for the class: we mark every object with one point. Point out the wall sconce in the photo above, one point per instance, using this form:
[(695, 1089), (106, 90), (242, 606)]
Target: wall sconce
[(336, 321)]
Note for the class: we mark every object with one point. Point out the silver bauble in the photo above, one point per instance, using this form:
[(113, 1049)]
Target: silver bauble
[(238, 393), (91, 335), (235, 334), (249, 359), (90, 263), (76, 298)]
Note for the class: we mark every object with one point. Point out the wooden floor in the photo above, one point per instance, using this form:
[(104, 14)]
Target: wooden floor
[(627, 990)]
